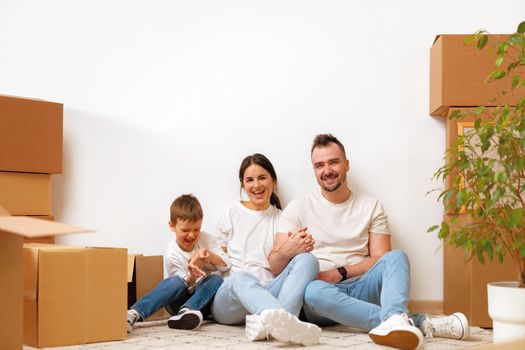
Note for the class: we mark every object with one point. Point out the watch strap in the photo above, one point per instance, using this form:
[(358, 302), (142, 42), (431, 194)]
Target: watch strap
[(342, 271)]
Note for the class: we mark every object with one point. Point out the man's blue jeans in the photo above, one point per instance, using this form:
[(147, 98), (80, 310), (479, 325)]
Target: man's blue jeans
[(381, 292), (173, 294), (242, 293)]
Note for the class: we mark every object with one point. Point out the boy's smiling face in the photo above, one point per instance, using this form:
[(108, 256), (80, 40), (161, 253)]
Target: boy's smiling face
[(187, 233)]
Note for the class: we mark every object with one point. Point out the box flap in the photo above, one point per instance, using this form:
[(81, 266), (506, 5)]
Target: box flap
[(4, 212), (131, 266), (29, 227)]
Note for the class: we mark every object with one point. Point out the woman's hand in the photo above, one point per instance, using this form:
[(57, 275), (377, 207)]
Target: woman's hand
[(297, 243)]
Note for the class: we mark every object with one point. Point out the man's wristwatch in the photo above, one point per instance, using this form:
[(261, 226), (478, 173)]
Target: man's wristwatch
[(342, 271)]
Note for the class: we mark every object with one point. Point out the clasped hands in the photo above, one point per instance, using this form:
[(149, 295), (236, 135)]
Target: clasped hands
[(298, 242)]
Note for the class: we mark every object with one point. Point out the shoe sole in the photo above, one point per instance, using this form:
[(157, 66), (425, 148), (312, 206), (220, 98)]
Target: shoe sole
[(254, 330), (464, 325), (399, 339), (287, 328), (185, 321)]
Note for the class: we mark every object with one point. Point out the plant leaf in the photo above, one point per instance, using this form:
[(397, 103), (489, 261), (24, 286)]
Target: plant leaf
[(521, 28), (483, 41)]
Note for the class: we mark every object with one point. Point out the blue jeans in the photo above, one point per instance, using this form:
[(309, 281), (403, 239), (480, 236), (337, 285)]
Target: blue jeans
[(242, 293), (366, 302), (172, 294)]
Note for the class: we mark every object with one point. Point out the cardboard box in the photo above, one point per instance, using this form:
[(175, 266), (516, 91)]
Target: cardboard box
[(12, 229), (458, 74), (465, 284), (455, 128), (30, 135), (25, 193), (144, 274), (45, 239), (88, 306)]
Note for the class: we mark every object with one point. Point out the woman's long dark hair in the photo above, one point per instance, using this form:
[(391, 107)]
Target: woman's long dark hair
[(263, 162)]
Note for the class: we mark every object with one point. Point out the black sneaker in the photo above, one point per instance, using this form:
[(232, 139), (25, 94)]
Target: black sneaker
[(186, 319)]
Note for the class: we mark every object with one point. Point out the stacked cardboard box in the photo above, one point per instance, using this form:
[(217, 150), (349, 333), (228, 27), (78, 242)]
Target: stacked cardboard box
[(458, 75), (30, 151)]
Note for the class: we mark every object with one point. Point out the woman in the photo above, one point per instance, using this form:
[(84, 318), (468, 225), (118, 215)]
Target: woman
[(270, 305)]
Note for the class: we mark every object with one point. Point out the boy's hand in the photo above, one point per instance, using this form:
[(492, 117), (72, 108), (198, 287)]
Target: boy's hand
[(199, 259)]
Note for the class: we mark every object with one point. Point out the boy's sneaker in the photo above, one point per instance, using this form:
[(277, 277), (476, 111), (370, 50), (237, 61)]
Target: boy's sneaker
[(397, 331), (454, 326), (186, 319), (255, 329), (286, 327), (133, 316)]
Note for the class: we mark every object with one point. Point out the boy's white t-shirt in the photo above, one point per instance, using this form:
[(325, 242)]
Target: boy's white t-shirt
[(340, 230), (248, 236), (176, 259)]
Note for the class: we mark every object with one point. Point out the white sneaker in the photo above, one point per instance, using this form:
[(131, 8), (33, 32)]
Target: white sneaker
[(255, 329), (454, 326), (397, 331), (186, 319), (286, 327), (133, 316)]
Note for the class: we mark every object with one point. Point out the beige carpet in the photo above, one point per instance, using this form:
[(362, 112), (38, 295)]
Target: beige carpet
[(157, 335)]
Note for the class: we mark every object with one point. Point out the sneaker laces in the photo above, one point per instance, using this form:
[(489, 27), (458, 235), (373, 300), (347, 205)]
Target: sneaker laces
[(441, 326)]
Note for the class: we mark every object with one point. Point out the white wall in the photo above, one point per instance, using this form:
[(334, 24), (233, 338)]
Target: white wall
[(166, 97)]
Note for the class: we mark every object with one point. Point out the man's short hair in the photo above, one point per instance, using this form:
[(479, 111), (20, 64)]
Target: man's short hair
[(185, 207), (322, 140)]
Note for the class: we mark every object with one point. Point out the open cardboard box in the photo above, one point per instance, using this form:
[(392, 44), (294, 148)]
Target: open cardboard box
[(144, 274), (12, 231)]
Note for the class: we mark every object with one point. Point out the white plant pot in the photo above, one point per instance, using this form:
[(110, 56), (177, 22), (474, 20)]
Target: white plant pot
[(507, 310)]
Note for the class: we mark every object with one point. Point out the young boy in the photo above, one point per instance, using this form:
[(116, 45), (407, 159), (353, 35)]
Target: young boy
[(190, 288)]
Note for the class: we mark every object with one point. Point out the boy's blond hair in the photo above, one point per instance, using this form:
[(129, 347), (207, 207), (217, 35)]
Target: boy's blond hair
[(185, 207)]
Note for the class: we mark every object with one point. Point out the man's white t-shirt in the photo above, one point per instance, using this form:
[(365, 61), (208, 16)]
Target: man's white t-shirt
[(248, 236), (176, 260), (340, 230)]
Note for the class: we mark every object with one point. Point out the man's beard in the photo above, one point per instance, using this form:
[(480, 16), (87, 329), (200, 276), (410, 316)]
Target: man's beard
[(333, 187)]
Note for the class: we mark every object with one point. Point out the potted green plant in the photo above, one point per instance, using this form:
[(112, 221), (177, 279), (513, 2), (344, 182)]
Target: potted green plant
[(486, 175)]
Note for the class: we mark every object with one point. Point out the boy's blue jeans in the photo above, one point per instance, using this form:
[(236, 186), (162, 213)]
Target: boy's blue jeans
[(172, 294), (378, 294), (242, 294)]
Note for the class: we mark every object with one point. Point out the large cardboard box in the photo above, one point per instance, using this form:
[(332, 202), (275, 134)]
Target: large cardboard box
[(88, 306), (30, 135), (144, 274), (25, 193), (458, 74), (465, 284), (12, 230)]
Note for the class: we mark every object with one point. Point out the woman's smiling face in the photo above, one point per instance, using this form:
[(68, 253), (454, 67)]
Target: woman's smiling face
[(258, 184)]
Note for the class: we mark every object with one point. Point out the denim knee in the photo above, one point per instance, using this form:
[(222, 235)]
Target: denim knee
[(306, 261), (396, 255), (215, 280), (240, 278), (314, 292)]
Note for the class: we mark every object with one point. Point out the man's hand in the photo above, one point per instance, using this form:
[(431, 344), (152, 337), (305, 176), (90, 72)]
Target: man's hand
[(297, 243), (330, 276)]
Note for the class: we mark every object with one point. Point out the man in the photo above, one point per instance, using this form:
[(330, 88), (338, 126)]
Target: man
[(362, 283)]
